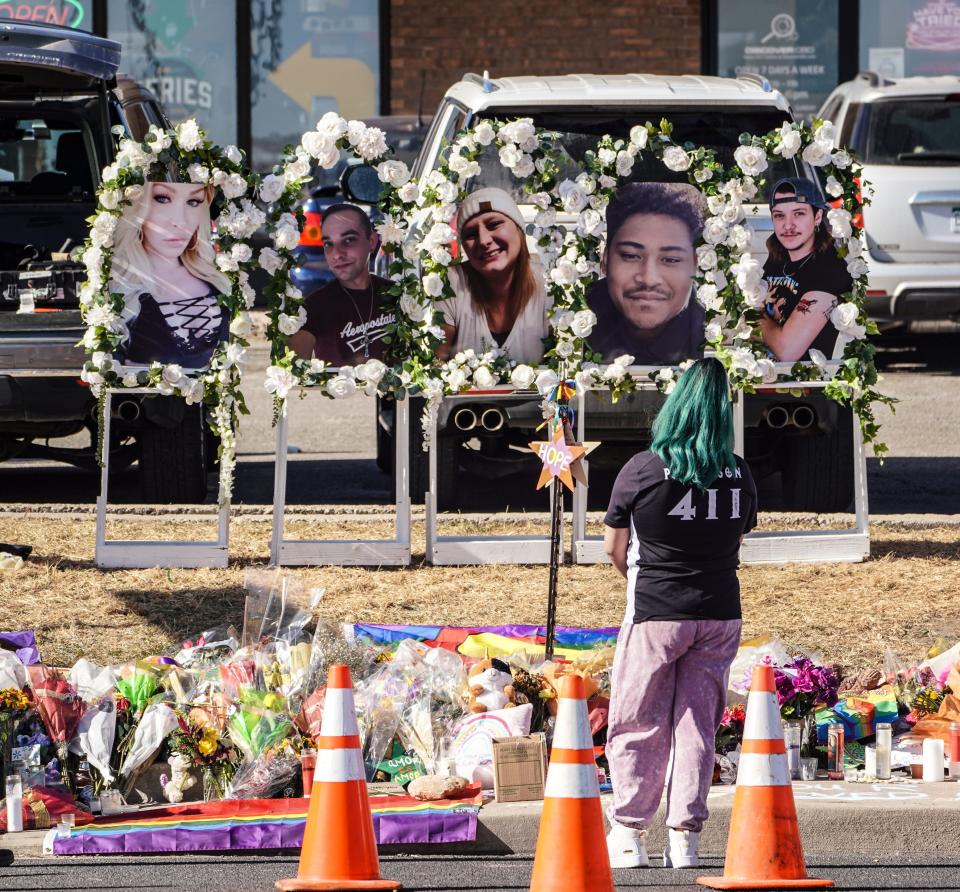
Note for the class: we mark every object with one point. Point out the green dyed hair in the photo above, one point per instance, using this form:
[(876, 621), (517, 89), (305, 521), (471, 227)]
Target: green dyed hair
[(693, 432)]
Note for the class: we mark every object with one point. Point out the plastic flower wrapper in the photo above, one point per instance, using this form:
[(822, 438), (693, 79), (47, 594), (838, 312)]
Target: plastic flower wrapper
[(138, 683), (238, 673), (294, 663), (210, 646), (13, 674), (329, 647), (58, 705), (98, 726), (378, 698), (156, 724), (273, 773), (257, 722), (271, 611)]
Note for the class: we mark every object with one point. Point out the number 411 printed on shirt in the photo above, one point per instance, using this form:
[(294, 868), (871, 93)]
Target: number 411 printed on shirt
[(686, 510)]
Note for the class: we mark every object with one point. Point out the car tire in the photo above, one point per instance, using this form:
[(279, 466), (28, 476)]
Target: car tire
[(818, 473), (173, 460)]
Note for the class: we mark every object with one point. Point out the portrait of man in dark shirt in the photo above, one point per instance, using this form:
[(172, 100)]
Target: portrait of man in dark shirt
[(644, 304), (346, 319)]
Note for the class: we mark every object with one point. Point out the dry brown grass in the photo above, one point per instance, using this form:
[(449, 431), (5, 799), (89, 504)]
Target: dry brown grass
[(905, 596)]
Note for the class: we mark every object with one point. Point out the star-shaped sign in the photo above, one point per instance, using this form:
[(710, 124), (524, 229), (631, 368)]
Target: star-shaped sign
[(557, 458)]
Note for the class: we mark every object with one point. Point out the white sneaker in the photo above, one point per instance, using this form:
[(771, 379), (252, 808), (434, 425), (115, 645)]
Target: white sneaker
[(626, 847), (682, 851)]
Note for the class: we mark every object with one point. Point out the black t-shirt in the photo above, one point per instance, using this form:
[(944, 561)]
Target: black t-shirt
[(684, 544), (817, 272), (343, 323), (682, 337)]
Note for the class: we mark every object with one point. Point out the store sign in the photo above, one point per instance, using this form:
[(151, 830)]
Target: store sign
[(909, 38), (791, 44), (66, 13), (935, 27)]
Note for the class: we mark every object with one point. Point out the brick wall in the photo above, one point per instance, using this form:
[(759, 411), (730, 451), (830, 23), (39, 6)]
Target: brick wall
[(432, 44)]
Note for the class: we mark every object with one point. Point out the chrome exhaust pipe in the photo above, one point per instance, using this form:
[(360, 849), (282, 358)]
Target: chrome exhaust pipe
[(777, 417), (803, 417), (127, 410), (492, 420), (464, 419)]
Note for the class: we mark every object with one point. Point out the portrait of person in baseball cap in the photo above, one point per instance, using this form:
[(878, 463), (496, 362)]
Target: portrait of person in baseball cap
[(644, 303), (804, 274)]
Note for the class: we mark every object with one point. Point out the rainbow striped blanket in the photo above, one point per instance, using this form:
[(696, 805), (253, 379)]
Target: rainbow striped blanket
[(264, 824)]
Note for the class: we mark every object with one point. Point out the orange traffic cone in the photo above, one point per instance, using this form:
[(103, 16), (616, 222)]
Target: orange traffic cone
[(571, 846), (763, 846), (339, 850)]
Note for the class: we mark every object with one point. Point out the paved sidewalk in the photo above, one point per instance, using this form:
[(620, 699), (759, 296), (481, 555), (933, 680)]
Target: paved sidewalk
[(870, 820)]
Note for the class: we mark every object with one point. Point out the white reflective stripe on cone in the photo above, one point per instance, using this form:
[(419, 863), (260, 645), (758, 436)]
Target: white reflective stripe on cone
[(566, 781), (572, 728), (339, 714), (763, 770), (763, 717), (339, 766)]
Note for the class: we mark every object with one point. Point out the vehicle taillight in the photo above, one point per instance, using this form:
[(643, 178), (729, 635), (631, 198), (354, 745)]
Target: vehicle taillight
[(311, 235), (857, 219), (454, 246)]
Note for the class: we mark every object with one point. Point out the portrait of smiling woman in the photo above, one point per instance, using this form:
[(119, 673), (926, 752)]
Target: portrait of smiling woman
[(500, 297), (163, 264)]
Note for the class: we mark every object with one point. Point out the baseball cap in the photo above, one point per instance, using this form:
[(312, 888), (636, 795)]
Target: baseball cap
[(804, 192), (483, 201)]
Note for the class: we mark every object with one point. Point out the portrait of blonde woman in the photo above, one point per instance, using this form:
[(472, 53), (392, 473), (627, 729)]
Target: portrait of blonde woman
[(164, 265)]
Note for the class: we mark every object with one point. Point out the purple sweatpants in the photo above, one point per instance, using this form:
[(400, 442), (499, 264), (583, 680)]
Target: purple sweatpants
[(668, 693)]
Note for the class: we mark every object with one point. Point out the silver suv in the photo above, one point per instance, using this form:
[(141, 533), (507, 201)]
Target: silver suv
[(907, 135)]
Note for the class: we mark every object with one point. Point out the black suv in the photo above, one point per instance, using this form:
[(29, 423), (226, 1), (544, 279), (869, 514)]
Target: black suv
[(60, 95)]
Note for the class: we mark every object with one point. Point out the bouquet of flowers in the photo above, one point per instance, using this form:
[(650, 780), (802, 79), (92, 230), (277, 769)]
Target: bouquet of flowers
[(205, 749), (802, 684), (259, 721), (730, 732), (14, 705), (60, 709)]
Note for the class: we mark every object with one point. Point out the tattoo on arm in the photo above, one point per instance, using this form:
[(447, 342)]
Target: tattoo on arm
[(829, 309), (804, 306)]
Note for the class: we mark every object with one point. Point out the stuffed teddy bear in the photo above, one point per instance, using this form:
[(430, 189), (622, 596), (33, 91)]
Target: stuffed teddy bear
[(491, 686), (181, 779)]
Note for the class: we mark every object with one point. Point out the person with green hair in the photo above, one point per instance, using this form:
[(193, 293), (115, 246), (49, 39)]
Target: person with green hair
[(677, 516)]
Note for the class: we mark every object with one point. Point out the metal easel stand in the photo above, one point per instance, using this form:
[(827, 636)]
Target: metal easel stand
[(768, 547), (345, 552), (471, 550), (152, 553)]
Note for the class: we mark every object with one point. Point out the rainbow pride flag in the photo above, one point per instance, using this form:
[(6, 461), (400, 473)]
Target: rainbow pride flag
[(488, 641), (265, 824)]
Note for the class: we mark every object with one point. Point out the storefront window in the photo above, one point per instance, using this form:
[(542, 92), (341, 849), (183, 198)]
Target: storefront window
[(185, 51), (791, 43), (310, 57), (67, 13), (904, 38)]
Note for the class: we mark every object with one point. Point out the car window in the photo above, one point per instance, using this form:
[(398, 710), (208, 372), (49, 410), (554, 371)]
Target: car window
[(831, 109), (849, 123), (448, 120), (43, 156), (918, 130), (579, 130)]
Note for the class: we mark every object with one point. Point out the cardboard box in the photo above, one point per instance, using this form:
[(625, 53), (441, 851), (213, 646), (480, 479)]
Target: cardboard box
[(519, 767)]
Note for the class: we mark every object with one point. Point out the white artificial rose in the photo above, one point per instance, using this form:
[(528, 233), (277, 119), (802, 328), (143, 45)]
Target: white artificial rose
[(857, 267), (546, 381), (541, 200), (545, 218), (374, 371), (714, 231), (817, 153), (331, 124), (583, 323), (432, 284), (271, 188), (742, 359), (562, 319), (587, 183), (509, 155), (286, 237), (270, 261), (639, 136), (702, 174), (446, 192), (676, 158), (767, 370), (130, 380), (172, 374), (389, 231), (372, 144), (716, 277), (564, 273), (522, 131), (564, 349), (624, 164), (188, 135), (614, 373), (242, 325), (524, 167), (233, 154), (855, 247), (441, 254), (522, 377), (713, 331), (341, 386), (715, 204), (790, 140), (409, 193), (709, 297), (590, 222), (752, 160), (110, 199), (295, 171), (396, 173), (234, 186), (818, 358), (706, 257), (840, 223), (732, 213), (225, 263), (607, 157), (241, 252), (109, 173), (573, 197), (833, 187), (318, 144), (585, 378), (484, 133), (289, 325), (845, 319), (413, 309), (483, 377), (841, 159), (739, 237)]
